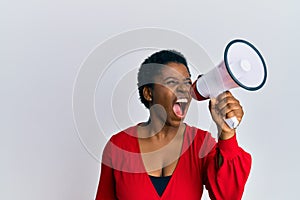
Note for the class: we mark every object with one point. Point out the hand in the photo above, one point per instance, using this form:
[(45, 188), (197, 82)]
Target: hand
[(225, 106)]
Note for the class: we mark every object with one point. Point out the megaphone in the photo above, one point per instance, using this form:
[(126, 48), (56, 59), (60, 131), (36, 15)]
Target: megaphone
[(243, 66)]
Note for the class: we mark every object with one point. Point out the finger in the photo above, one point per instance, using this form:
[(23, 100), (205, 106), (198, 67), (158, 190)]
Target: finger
[(214, 112), (212, 103), (231, 107), (237, 113), (226, 98), (227, 101), (224, 95)]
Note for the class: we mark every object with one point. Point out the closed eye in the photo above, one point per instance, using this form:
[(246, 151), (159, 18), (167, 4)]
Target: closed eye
[(172, 82), (188, 82)]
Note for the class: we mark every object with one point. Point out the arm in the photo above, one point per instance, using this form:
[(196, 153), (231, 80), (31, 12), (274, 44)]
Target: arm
[(106, 187), (226, 180), (228, 165), (225, 106)]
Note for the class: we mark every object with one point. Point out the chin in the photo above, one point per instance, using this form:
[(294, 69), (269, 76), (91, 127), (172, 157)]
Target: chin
[(176, 122)]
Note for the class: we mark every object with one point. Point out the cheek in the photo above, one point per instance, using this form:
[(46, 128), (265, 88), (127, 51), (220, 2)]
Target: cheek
[(162, 91), (167, 94), (164, 96)]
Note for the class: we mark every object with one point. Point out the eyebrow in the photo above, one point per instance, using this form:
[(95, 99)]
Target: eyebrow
[(171, 77)]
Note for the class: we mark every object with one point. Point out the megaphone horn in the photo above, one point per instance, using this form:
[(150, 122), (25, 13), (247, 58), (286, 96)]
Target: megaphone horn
[(243, 66)]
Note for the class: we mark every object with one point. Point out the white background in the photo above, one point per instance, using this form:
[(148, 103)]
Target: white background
[(43, 44)]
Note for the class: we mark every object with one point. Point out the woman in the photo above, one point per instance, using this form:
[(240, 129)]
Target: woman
[(165, 158)]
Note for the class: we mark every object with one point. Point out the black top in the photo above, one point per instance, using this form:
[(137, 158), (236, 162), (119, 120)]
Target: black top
[(160, 183)]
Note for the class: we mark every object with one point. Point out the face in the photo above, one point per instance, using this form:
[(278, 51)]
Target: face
[(171, 92)]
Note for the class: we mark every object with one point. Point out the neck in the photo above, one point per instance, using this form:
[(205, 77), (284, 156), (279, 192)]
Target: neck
[(160, 130)]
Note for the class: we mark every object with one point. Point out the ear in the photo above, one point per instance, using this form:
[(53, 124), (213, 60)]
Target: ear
[(147, 93)]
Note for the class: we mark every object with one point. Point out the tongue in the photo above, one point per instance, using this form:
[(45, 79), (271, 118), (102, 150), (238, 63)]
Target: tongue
[(177, 110)]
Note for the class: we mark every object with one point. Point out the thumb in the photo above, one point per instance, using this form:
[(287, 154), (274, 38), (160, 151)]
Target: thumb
[(212, 103)]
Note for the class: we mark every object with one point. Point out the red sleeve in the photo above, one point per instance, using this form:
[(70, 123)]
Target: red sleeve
[(106, 187), (227, 181)]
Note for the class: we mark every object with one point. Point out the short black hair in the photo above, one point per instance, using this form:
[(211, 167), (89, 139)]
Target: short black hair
[(152, 66)]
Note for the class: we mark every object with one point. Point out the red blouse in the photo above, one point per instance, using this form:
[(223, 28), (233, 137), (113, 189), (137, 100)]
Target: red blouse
[(123, 175)]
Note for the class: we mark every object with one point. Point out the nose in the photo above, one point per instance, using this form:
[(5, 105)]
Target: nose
[(183, 87)]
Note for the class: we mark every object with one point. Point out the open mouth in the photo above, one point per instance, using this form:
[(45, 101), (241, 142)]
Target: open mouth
[(180, 107)]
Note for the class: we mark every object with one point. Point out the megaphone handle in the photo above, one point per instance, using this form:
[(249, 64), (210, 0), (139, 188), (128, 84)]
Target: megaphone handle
[(232, 122)]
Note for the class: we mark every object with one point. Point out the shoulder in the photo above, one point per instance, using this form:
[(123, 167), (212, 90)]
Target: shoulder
[(122, 150), (126, 134), (125, 139)]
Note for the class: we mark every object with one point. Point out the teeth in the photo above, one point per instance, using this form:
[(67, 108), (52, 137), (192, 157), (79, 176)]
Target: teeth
[(181, 101)]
